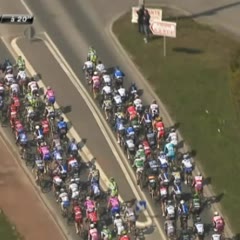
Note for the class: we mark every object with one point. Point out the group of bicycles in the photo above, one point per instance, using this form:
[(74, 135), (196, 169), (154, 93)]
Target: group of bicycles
[(41, 132), (153, 151)]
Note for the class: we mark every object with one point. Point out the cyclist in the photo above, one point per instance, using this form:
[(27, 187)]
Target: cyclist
[(218, 222), (88, 67), (63, 199), (72, 164), (22, 140), (107, 91), (154, 109), (14, 89), (73, 147), (96, 83), (183, 211), (38, 168), (163, 193), (216, 236), (131, 111), (170, 151), (163, 161), (95, 190), (45, 127), (177, 191), (173, 137), (159, 127), (57, 155), (106, 233), (146, 119), (7, 66), (198, 227), (62, 128), (107, 80), (187, 166), (118, 224), (176, 175), (122, 92), (130, 216), (117, 99), (94, 174), (73, 189), (195, 204), (124, 235), (120, 128), (92, 55), (139, 163), (78, 218), (113, 187), (57, 181), (118, 76), (93, 233), (107, 106), (56, 143), (132, 90), (38, 133), (140, 153), (170, 212), (90, 205), (100, 67), (49, 111), (113, 205), (50, 96), (138, 104), (198, 183), (20, 63), (169, 228), (30, 113), (33, 87)]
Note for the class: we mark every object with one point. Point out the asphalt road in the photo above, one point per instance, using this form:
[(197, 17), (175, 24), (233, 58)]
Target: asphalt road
[(75, 25)]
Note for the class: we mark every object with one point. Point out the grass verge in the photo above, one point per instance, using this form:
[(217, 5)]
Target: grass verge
[(7, 230), (193, 81)]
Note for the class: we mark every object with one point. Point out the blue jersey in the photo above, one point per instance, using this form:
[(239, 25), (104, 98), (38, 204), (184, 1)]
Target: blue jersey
[(184, 209), (57, 155), (62, 125), (130, 131), (23, 139), (118, 74), (115, 210), (119, 125), (72, 147)]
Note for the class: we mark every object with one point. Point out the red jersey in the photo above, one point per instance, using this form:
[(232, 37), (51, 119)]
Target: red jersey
[(16, 102), (131, 110), (18, 126), (146, 147), (125, 237), (77, 213), (92, 216), (45, 126), (160, 129)]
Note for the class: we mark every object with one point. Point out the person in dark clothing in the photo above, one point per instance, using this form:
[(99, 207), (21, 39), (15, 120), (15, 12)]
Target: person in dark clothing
[(146, 23), (140, 13)]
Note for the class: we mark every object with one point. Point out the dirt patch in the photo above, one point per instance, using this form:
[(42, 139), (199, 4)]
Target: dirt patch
[(20, 202)]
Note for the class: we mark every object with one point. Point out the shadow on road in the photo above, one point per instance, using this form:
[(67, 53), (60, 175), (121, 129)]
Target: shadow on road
[(188, 50)]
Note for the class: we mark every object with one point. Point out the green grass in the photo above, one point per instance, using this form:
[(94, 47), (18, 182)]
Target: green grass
[(192, 78), (7, 230)]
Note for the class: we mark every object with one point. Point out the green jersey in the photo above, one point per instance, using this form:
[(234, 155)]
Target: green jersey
[(141, 154), (106, 234), (139, 163), (196, 203)]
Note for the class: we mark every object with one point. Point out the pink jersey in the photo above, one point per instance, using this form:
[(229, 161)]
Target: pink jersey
[(45, 150), (94, 234), (50, 93), (89, 204), (114, 202)]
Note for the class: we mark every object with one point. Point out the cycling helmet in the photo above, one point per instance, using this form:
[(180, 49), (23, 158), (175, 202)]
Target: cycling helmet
[(112, 179), (37, 127), (129, 205), (136, 96), (169, 201), (62, 190), (48, 88), (61, 119), (73, 140), (140, 146), (88, 58), (92, 226), (154, 101), (130, 104), (186, 156), (93, 167), (146, 111), (172, 129), (72, 180), (117, 215), (95, 73), (99, 62), (199, 174), (75, 203), (88, 198), (216, 214), (124, 232), (104, 226), (182, 201)]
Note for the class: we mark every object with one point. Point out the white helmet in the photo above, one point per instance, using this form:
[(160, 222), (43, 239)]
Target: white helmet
[(117, 215), (140, 146), (48, 88), (216, 213), (72, 180), (37, 127), (95, 73), (92, 225), (182, 201), (88, 198)]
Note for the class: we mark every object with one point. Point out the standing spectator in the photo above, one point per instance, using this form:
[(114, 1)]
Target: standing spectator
[(140, 13), (146, 23)]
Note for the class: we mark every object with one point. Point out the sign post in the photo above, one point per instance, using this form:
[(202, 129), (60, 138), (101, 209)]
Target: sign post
[(165, 29)]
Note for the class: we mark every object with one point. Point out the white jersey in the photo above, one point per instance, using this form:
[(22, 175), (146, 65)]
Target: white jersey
[(130, 144), (100, 67), (200, 228), (187, 163), (33, 86), (170, 229), (2, 89), (14, 87), (88, 65), (154, 108), (173, 138), (57, 180), (58, 156), (9, 77), (117, 99), (216, 236), (119, 224), (63, 196), (21, 75), (122, 92), (137, 102), (96, 190), (107, 79), (170, 210), (107, 90), (57, 143), (73, 163), (162, 159), (73, 187)]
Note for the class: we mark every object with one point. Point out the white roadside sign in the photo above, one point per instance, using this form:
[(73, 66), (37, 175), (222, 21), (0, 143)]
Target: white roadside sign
[(155, 14), (164, 28)]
